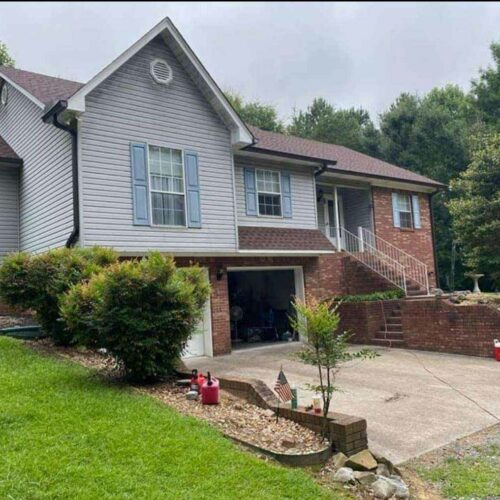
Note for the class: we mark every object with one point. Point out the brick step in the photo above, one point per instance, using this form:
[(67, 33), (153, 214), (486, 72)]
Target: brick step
[(389, 342), (414, 293), (392, 328), (394, 320), (383, 335)]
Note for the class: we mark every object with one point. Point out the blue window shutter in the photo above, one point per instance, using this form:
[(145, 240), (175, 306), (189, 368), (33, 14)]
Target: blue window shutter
[(395, 212), (250, 191), (140, 188), (286, 194), (192, 189), (416, 211)]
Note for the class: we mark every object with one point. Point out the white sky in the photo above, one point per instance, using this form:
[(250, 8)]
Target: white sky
[(353, 54)]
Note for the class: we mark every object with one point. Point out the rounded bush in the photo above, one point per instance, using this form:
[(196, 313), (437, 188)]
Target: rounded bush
[(143, 312), (38, 282)]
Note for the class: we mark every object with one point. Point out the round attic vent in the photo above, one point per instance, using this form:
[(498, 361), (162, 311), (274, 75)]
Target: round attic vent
[(161, 72)]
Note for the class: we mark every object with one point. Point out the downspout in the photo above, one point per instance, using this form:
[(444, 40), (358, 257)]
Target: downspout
[(434, 249), (53, 114)]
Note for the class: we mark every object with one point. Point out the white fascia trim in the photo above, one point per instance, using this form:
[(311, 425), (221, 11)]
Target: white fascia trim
[(283, 253), (240, 135), (23, 91)]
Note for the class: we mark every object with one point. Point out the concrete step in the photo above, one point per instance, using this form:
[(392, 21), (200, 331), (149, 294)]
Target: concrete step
[(383, 335), (392, 329), (389, 343), (394, 320)]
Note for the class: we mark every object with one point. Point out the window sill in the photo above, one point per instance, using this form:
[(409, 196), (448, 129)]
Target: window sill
[(407, 229)]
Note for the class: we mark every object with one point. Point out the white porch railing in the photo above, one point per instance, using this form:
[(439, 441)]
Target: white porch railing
[(363, 250), (415, 270)]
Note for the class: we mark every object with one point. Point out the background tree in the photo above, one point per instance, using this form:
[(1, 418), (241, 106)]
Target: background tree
[(476, 207), (486, 91), (351, 127), (5, 58), (255, 113)]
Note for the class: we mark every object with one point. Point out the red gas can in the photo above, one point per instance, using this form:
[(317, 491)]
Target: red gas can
[(497, 349), (210, 391)]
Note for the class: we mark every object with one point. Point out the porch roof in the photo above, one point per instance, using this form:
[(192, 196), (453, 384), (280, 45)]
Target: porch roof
[(274, 238), (339, 158)]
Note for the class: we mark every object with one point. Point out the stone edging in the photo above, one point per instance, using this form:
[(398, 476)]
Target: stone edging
[(347, 433)]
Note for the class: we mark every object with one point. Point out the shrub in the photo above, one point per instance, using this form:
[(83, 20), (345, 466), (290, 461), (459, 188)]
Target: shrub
[(370, 297), (38, 282), (143, 312)]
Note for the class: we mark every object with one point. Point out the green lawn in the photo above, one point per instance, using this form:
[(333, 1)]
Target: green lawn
[(66, 434), (474, 476)]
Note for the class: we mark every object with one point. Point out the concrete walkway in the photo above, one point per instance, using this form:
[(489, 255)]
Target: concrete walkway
[(413, 401)]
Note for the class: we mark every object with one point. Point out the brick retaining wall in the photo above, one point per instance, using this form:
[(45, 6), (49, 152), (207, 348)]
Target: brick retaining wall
[(430, 324)]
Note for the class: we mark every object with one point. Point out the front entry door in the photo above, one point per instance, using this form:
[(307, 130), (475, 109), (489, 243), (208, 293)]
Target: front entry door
[(330, 219)]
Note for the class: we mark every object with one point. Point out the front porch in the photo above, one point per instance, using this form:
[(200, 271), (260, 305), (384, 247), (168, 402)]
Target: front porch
[(346, 217)]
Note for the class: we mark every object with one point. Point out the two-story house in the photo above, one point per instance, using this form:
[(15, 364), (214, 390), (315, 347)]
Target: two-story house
[(149, 155)]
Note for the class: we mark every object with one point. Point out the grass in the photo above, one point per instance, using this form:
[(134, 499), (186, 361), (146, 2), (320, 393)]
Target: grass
[(473, 476), (66, 434)]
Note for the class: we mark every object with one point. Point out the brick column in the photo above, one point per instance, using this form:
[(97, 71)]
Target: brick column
[(221, 325)]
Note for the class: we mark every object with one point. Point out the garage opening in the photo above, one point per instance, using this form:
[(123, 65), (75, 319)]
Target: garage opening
[(260, 304)]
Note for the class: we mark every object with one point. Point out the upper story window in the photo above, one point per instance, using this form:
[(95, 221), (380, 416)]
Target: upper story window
[(166, 181), (406, 210), (269, 192)]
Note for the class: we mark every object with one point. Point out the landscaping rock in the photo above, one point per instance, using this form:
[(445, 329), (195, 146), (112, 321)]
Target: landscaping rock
[(365, 478), (383, 470), (362, 461), (344, 475), (383, 488), (402, 490), (286, 443), (339, 460), (382, 460)]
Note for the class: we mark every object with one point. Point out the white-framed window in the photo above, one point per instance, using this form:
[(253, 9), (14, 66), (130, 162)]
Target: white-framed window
[(269, 192), (166, 185), (403, 206)]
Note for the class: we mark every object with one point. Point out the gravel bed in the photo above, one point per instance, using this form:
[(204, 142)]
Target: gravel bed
[(234, 416)]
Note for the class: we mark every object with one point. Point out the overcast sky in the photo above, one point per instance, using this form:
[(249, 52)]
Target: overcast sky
[(353, 54)]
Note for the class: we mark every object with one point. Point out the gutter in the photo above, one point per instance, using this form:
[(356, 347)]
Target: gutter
[(52, 116), (321, 170)]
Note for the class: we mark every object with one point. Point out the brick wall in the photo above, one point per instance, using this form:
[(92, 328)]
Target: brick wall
[(324, 277), (416, 242), (431, 324)]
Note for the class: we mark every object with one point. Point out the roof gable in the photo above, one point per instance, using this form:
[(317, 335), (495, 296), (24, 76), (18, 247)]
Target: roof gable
[(240, 134)]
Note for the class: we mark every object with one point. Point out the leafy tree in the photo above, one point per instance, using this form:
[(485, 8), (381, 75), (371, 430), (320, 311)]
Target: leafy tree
[(255, 113), (5, 59), (327, 349), (476, 207), (352, 127), (486, 90)]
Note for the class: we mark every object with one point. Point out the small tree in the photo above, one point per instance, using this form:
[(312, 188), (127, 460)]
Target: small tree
[(318, 322), (5, 59)]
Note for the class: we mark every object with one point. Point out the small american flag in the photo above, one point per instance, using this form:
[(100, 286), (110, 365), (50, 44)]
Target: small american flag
[(282, 387)]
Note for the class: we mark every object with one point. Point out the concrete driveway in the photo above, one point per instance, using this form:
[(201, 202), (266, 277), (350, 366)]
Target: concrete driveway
[(413, 401)]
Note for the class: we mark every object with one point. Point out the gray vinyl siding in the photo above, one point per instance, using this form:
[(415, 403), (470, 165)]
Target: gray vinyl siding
[(130, 107), (357, 209), (45, 184), (303, 195), (9, 210)]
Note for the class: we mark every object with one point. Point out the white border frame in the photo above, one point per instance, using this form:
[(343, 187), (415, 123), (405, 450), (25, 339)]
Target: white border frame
[(265, 216)]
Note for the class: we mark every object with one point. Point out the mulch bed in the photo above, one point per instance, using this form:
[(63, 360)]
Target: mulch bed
[(234, 416)]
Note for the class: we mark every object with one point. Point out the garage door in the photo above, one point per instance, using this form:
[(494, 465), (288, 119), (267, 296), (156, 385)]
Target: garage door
[(200, 343)]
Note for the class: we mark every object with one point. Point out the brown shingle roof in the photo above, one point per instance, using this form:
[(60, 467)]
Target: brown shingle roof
[(273, 238), (46, 89), (6, 152), (348, 161)]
